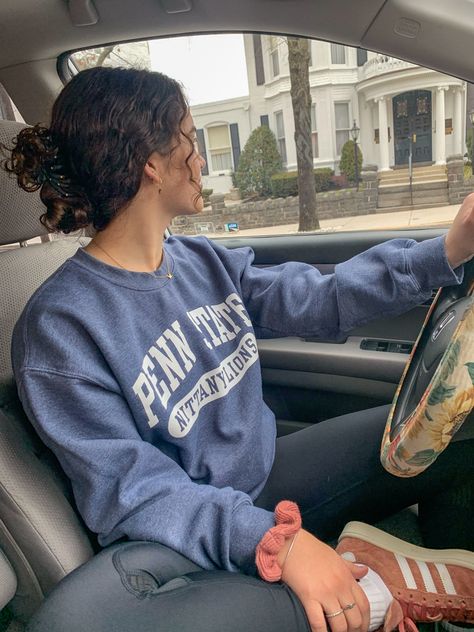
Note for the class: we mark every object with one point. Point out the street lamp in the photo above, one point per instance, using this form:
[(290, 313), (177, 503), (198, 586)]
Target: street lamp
[(355, 135)]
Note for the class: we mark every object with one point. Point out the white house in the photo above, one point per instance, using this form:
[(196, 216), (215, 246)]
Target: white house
[(396, 104)]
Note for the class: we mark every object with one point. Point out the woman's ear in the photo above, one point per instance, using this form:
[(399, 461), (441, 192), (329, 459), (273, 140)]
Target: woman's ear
[(153, 168)]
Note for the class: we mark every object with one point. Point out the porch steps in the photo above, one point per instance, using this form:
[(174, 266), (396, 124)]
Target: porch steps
[(409, 207), (420, 174), (430, 188)]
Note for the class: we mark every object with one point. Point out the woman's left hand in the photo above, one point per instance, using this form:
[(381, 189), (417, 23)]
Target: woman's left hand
[(459, 242)]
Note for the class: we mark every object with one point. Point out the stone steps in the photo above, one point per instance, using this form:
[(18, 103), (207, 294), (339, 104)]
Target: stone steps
[(405, 200), (434, 185), (417, 180), (408, 207), (428, 198), (429, 187), (420, 174)]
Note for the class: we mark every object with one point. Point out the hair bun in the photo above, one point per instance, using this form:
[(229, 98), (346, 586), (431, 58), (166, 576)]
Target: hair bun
[(32, 154), (35, 160)]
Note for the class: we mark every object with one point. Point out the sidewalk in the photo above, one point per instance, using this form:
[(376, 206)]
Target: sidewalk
[(420, 218)]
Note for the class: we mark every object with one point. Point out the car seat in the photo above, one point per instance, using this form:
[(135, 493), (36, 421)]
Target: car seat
[(41, 535)]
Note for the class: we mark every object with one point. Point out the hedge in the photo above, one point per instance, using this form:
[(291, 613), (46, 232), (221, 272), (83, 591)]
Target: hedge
[(286, 183)]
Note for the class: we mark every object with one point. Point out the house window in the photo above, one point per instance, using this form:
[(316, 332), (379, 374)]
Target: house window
[(280, 129), (361, 56), (338, 54), (259, 69), (341, 111), (220, 148), (314, 132), (274, 56)]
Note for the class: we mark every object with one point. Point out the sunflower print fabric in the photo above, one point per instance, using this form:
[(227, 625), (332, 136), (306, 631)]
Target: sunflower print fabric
[(446, 403)]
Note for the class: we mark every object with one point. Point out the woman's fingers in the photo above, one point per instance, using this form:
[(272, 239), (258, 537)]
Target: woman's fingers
[(352, 613), (334, 614), (363, 606), (358, 570), (316, 618)]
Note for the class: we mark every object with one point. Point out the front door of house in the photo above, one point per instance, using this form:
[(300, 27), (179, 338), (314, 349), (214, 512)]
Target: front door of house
[(412, 119)]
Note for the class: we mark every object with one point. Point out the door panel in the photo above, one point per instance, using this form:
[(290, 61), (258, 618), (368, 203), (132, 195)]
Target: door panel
[(413, 127), (306, 380)]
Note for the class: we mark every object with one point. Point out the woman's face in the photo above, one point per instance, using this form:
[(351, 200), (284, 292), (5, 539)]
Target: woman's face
[(182, 181)]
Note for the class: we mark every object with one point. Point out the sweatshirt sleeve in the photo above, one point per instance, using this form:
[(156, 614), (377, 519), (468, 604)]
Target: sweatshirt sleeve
[(296, 299), (125, 486)]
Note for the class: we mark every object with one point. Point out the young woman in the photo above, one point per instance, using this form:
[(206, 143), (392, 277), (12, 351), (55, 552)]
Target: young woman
[(137, 360)]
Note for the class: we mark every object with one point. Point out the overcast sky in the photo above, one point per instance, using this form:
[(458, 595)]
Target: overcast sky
[(211, 67)]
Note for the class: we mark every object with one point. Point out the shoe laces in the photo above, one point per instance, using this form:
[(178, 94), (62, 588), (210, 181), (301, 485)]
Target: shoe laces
[(413, 611)]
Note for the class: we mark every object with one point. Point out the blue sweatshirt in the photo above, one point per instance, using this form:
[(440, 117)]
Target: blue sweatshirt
[(149, 390)]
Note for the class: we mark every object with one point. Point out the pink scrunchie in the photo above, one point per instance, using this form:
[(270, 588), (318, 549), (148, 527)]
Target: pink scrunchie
[(288, 523)]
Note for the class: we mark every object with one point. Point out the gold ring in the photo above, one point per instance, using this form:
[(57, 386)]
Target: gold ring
[(334, 614), (349, 606)]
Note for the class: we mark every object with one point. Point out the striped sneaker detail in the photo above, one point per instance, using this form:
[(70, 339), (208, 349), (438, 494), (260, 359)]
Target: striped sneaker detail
[(406, 571), (446, 580), (427, 575)]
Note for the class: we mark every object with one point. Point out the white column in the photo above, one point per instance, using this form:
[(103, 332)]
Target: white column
[(440, 130), (458, 122), (383, 134)]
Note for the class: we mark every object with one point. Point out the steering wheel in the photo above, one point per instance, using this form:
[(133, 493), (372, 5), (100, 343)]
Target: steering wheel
[(436, 391)]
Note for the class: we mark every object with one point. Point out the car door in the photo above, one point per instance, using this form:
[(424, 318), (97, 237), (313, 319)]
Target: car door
[(308, 380)]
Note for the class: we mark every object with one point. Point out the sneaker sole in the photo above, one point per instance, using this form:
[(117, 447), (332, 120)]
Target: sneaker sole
[(372, 535)]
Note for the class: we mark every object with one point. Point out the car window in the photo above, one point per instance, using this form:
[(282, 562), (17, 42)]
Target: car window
[(391, 142)]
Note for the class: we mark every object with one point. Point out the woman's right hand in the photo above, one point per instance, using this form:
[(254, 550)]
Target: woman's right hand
[(324, 583)]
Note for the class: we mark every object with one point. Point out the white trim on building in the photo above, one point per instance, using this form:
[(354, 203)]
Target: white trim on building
[(377, 94)]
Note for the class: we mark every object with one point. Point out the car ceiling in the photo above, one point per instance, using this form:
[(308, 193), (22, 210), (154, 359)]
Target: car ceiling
[(433, 33)]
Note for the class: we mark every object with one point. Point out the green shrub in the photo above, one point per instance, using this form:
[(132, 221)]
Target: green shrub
[(322, 178), (258, 161), (286, 183), (206, 194), (347, 164)]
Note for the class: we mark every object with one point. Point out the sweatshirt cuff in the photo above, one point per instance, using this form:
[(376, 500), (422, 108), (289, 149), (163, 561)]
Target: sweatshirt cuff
[(429, 267), (249, 524)]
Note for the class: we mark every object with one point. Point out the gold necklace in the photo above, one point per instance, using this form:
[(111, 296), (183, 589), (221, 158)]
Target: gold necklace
[(168, 274)]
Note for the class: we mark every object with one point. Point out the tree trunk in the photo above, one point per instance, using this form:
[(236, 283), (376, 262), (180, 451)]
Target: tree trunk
[(104, 54), (298, 59)]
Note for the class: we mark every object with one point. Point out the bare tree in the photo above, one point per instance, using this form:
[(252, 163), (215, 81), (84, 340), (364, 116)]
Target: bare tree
[(131, 55), (105, 52), (299, 60)]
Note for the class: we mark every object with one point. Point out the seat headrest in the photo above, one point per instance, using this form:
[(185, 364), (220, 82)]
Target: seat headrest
[(19, 211)]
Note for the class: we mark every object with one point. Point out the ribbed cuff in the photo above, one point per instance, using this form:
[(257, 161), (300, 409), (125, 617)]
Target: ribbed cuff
[(429, 267)]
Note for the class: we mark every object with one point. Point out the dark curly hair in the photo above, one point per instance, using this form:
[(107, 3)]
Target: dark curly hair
[(105, 124)]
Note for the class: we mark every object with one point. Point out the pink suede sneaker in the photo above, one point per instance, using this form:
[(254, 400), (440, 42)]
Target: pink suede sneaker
[(427, 585)]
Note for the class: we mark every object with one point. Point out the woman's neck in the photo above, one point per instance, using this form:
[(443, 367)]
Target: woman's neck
[(133, 239)]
